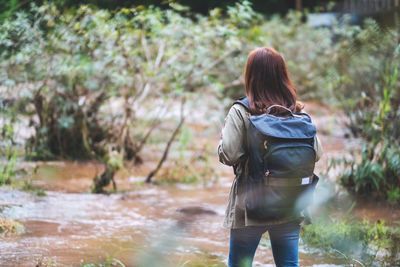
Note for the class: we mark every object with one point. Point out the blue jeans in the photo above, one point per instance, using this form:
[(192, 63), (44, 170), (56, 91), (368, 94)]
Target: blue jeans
[(284, 241)]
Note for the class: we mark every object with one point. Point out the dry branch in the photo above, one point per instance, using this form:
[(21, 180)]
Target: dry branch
[(170, 141)]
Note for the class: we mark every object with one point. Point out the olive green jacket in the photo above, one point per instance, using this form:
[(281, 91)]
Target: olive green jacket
[(231, 152)]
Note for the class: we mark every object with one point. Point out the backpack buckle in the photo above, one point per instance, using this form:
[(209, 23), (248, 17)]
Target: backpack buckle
[(266, 178), (265, 145)]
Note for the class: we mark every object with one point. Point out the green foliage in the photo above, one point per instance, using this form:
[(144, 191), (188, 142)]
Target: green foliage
[(196, 170), (190, 169), (203, 7), (8, 8), (209, 261), (110, 261), (376, 120), (78, 63), (364, 243), (369, 94), (184, 139), (7, 169), (28, 186), (7, 144)]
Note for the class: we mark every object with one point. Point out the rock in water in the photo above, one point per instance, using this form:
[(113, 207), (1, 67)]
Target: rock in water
[(196, 210)]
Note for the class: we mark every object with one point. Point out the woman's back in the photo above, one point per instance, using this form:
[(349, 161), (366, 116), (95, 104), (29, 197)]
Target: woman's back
[(267, 83)]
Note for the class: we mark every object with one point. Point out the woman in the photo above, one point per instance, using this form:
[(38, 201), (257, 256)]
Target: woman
[(267, 83)]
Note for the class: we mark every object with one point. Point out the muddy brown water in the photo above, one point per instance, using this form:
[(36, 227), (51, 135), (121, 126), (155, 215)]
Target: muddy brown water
[(141, 224), (70, 226)]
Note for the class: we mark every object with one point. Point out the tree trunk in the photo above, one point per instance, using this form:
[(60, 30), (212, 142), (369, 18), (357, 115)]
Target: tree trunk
[(103, 180), (298, 5)]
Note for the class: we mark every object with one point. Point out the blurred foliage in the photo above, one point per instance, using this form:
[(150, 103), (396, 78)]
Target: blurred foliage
[(68, 67), (8, 7), (195, 168), (193, 165), (28, 186), (369, 93), (8, 143), (7, 169), (358, 243)]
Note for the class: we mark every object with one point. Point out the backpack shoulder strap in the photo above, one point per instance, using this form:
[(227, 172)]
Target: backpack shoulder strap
[(244, 102)]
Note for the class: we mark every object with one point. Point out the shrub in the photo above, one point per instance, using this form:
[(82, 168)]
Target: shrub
[(365, 243), (7, 143), (368, 91), (376, 120), (69, 67)]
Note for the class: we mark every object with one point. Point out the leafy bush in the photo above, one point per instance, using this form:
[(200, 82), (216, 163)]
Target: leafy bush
[(376, 120), (365, 243), (70, 68), (190, 167), (368, 91), (7, 169), (7, 143)]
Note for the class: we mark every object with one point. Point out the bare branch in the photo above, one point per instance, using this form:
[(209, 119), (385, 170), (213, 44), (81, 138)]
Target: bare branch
[(238, 81), (145, 47), (215, 62), (160, 55), (170, 141)]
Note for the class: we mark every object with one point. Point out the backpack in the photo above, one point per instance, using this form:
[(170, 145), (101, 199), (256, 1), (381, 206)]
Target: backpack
[(281, 160)]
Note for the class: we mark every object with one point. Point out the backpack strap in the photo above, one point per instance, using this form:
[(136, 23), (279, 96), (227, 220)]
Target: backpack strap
[(279, 106), (244, 102), (289, 182)]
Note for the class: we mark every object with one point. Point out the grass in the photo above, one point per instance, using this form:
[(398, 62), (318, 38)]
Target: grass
[(359, 243), (192, 172), (8, 226), (196, 260), (28, 186)]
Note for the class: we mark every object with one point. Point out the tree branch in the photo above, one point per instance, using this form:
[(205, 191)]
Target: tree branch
[(170, 141)]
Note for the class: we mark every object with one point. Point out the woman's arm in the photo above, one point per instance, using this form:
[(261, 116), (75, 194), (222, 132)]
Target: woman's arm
[(232, 145), (318, 148)]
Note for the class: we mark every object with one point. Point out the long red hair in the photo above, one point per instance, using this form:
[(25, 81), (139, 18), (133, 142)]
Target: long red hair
[(267, 82)]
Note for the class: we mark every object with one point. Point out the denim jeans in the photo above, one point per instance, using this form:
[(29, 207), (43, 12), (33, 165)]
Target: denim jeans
[(284, 241)]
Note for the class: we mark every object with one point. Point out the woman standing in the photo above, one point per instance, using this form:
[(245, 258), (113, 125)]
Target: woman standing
[(267, 83)]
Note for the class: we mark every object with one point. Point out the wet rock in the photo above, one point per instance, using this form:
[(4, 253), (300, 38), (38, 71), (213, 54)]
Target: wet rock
[(196, 210)]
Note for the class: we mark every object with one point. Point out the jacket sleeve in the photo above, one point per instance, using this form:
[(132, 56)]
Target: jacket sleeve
[(318, 148), (232, 145)]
